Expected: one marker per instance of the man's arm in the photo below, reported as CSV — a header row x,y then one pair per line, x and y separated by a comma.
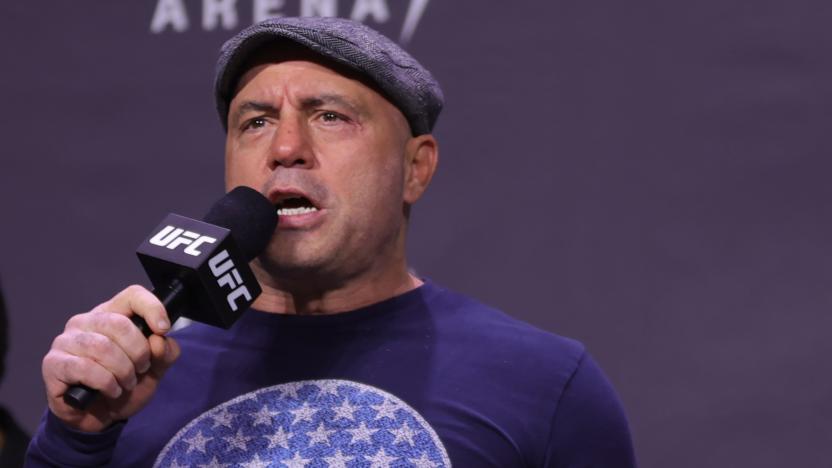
x,y
590,429
103,350
57,445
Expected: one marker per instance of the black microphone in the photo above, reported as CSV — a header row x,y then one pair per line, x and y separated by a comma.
x,y
199,269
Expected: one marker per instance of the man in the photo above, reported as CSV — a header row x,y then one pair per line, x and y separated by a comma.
x,y
346,359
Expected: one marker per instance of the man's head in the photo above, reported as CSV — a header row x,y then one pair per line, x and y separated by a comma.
x,y
402,79
341,154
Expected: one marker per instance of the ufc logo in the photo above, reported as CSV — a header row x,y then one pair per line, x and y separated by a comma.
x,y
172,237
227,276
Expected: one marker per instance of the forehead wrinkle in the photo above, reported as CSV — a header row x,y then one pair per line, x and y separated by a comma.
x,y
252,95
307,102
253,105
279,83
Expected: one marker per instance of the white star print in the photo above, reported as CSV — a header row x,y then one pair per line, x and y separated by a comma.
x,y
345,410
404,434
197,442
386,409
291,390
263,416
328,388
304,413
257,462
214,463
424,462
362,433
380,459
296,462
288,417
223,417
319,435
238,440
338,460
279,439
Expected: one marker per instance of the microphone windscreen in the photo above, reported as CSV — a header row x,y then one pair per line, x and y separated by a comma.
x,y
249,216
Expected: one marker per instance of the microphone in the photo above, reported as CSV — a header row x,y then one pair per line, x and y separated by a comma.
x,y
199,269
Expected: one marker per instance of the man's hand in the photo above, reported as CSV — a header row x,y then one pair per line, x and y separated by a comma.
x,y
104,350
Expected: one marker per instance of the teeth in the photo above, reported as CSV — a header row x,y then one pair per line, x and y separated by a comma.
x,y
295,211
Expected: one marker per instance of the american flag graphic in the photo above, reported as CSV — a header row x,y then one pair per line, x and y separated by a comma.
x,y
315,424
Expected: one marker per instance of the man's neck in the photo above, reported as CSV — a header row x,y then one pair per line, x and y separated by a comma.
x,y
290,297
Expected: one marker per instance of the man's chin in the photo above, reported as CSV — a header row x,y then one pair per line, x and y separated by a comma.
x,y
270,268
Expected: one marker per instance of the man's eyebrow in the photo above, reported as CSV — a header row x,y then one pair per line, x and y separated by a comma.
x,y
306,103
256,106
322,99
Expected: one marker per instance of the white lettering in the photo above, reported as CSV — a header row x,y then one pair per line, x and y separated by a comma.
x,y
225,14
169,13
265,9
186,238
172,238
228,279
191,250
235,294
318,8
215,10
411,21
167,234
220,265
375,8
218,269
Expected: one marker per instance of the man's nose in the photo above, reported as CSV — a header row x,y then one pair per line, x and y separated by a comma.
x,y
290,145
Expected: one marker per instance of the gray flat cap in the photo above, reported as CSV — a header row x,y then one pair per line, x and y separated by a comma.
x,y
407,84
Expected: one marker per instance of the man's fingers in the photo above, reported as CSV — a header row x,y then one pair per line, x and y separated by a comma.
x,y
102,350
172,351
165,351
117,328
62,370
136,300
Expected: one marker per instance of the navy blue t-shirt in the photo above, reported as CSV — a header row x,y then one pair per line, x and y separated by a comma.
x,y
429,378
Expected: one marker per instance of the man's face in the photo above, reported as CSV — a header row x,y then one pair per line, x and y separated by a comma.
x,y
329,152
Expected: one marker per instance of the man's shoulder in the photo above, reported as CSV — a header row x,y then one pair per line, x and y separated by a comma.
x,y
543,390
471,322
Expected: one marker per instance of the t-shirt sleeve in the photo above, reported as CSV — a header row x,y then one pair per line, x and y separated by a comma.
x,y
57,445
589,429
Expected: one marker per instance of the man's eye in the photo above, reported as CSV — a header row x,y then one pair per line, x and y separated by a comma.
x,y
330,117
257,122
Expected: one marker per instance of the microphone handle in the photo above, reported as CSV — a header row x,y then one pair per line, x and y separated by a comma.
x,y
80,396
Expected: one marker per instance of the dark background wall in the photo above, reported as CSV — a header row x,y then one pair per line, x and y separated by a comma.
x,y
648,177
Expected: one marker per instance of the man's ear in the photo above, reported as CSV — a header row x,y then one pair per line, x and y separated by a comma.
x,y
421,158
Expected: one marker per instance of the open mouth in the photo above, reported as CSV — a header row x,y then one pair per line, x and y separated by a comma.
x,y
295,205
